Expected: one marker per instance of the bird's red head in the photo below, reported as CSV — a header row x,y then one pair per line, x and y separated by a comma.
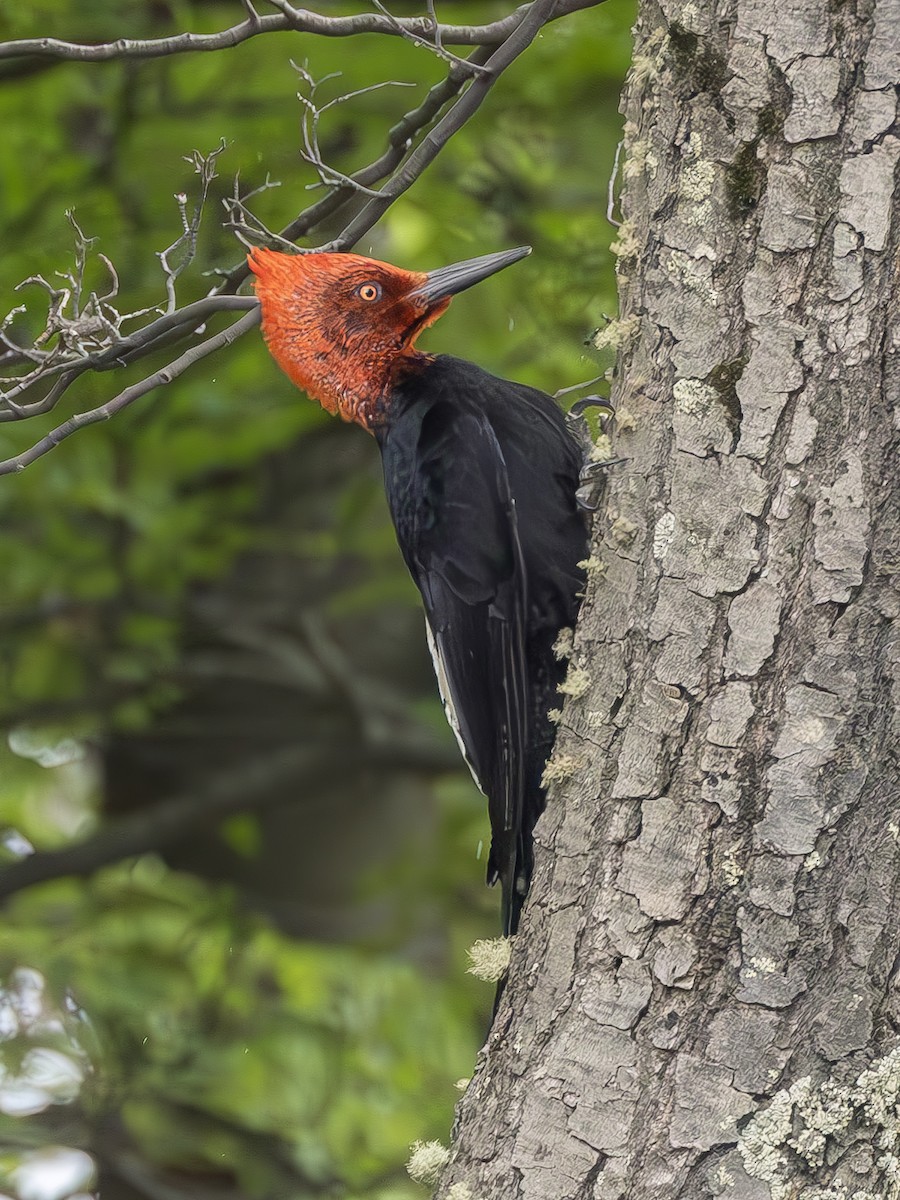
x,y
342,327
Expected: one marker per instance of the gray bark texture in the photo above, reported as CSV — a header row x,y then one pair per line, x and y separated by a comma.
x,y
703,999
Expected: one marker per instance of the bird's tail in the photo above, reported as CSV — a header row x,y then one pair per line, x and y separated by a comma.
x,y
512,855
513,863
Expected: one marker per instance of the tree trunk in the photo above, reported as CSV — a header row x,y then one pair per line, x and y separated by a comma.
x,y
702,1001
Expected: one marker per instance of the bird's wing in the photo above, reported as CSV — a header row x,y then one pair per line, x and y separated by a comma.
x,y
456,523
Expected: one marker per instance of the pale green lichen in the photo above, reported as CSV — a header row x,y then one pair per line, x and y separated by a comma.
x,y
763,964
646,62
644,70
489,958
697,181
426,1161
576,682
564,645
764,1139
640,160
602,450
594,567
460,1191
630,134
554,716
825,1112
626,244
801,1119
877,1092
664,534
623,531
625,420
732,869
693,396
723,1177
617,333
685,269
560,766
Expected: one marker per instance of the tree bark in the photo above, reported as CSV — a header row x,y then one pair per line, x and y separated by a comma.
x,y
703,1000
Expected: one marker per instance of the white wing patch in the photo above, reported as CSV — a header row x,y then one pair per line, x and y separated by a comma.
x,y
447,700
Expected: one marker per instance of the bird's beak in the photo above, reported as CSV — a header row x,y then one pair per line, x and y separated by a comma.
x,y
447,281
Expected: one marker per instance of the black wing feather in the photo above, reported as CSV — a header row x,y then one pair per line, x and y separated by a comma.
x,y
481,476
457,527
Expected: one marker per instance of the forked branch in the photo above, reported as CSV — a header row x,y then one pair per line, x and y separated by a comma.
x,y
86,334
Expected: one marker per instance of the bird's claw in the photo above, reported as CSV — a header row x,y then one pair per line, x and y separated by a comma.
x,y
587,496
591,470
599,402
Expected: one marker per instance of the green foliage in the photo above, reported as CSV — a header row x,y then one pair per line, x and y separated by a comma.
x,y
217,1035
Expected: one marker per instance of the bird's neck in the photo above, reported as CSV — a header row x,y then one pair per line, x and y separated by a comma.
x,y
362,392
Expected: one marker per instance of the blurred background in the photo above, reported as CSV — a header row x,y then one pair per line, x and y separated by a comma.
x,y
273,1002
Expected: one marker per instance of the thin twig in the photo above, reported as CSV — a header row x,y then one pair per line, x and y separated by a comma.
x,y
166,329
185,245
246,225
400,138
21,412
611,189
435,24
578,387
434,43
312,113
469,102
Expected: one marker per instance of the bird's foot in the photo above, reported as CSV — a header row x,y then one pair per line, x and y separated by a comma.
x,y
591,479
591,470
603,403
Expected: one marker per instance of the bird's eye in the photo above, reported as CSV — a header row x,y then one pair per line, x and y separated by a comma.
x,y
369,291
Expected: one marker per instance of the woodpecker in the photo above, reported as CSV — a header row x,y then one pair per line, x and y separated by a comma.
x,y
481,476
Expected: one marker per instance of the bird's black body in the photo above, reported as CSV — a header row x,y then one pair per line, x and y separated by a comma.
x,y
481,476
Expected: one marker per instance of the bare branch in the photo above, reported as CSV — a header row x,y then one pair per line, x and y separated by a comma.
x,y
536,16
289,18
185,246
168,328
252,15
246,225
400,164
400,138
130,394
78,328
249,787
20,412
435,25
434,43
328,176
